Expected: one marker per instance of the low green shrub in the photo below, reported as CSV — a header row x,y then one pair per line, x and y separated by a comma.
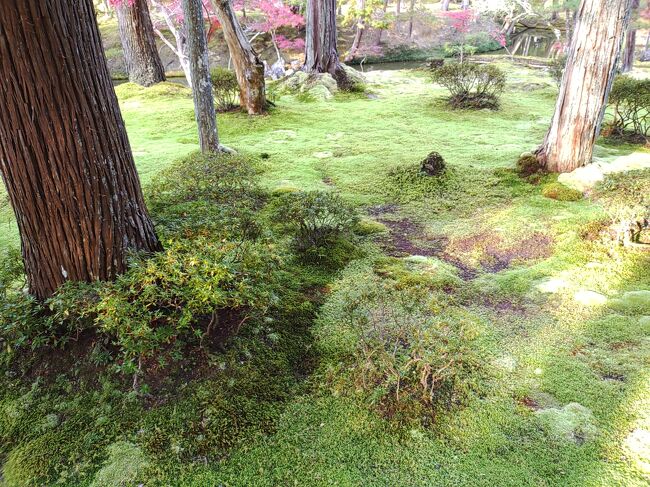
x,y
226,89
389,342
629,105
318,221
471,86
177,295
560,192
626,199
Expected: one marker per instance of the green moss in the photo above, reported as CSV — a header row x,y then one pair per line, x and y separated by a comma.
x,y
560,192
125,466
369,227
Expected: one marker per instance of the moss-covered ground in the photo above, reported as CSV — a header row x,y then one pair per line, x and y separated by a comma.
x,y
568,402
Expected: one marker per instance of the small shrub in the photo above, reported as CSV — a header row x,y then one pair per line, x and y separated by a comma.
x,y
318,220
472,86
387,341
626,199
528,165
629,104
556,69
178,295
226,89
560,192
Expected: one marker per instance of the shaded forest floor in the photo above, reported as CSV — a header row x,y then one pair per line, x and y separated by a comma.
x,y
569,396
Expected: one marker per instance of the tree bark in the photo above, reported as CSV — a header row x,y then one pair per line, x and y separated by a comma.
x,y
64,152
630,44
444,5
248,67
321,54
136,33
590,70
206,116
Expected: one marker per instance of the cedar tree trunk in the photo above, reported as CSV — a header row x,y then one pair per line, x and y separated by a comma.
x,y
204,111
64,153
248,67
590,69
321,55
136,33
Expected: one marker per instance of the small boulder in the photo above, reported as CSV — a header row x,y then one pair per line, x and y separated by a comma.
x,y
433,165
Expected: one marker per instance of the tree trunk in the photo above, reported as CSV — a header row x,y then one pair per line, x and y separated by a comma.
x,y
645,55
321,55
630,44
444,5
380,31
248,67
465,5
64,152
136,33
590,70
411,15
206,117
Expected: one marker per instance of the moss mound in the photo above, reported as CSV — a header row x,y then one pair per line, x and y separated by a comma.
x,y
560,192
124,466
528,165
165,89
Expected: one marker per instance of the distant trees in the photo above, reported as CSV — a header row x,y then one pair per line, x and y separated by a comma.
x,y
588,76
627,62
143,63
64,153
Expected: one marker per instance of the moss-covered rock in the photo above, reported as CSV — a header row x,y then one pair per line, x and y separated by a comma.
x,y
560,192
433,165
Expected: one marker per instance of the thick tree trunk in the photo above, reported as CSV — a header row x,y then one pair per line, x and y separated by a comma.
x,y
321,55
630,44
590,70
465,4
136,33
64,153
206,117
444,5
248,67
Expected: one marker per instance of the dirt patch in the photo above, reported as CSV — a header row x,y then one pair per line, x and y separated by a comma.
x,y
485,251
530,403
493,255
328,181
380,210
